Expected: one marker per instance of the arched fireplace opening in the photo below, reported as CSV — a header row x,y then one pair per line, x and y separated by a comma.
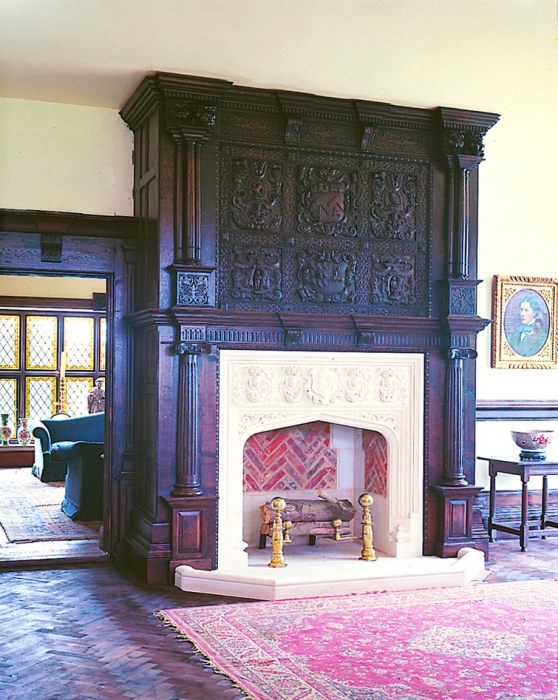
x,y
310,461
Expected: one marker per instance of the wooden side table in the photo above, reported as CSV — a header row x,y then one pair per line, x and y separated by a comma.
x,y
524,469
17,455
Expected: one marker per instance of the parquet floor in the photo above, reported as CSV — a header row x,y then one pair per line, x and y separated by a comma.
x,y
90,633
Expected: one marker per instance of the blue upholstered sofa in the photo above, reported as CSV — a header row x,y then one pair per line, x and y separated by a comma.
x,y
50,462
73,449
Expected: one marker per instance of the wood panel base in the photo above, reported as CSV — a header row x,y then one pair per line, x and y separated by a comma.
x,y
456,526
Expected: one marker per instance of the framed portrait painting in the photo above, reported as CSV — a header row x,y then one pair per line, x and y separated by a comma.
x,y
524,334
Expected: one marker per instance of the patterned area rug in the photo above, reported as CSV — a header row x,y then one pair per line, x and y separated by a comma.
x,y
30,511
494,642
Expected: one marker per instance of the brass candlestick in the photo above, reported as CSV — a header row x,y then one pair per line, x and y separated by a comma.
x,y
277,560
368,553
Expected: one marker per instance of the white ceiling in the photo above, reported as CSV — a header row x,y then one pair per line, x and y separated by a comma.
x,y
96,52
468,53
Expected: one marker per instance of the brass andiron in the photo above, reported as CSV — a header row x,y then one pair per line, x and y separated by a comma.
x,y
368,553
277,560
336,525
287,524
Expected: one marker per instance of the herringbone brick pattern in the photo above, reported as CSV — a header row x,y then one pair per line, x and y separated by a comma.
x,y
295,458
375,462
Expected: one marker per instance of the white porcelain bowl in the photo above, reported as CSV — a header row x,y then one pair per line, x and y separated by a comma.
x,y
535,441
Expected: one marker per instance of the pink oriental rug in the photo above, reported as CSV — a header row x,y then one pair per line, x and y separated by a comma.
x,y
487,642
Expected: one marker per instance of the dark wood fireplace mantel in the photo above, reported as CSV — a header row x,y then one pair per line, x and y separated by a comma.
x,y
274,219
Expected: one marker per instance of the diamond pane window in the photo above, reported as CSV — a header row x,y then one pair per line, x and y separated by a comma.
x,y
9,342
8,393
78,343
41,342
77,390
40,397
103,344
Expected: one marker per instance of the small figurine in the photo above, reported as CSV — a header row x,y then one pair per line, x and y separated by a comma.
x,y
96,398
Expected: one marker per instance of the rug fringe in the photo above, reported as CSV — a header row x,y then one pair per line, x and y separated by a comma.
x,y
209,663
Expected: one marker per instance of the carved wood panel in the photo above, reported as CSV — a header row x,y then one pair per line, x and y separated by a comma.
x,y
305,231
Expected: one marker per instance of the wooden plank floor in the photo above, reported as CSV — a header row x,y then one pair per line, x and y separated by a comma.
x,y
90,633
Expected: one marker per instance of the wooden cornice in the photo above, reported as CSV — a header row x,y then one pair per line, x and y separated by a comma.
x,y
510,409
68,224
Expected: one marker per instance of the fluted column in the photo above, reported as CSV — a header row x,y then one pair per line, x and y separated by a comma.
x,y
190,124
453,465
188,481
193,203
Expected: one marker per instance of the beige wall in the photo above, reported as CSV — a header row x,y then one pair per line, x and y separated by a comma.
x,y
53,287
59,157
498,56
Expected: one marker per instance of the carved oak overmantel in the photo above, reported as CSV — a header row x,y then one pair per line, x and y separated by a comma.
x,y
280,220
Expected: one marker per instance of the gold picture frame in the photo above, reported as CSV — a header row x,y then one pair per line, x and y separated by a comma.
x,y
524,334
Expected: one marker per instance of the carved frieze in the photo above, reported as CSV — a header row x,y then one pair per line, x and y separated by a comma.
x,y
326,276
256,273
393,213
327,201
256,199
250,126
319,385
408,142
393,280
328,134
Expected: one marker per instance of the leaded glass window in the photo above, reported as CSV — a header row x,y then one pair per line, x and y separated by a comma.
x,y
8,394
49,360
76,395
9,342
40,397
78,342
42,342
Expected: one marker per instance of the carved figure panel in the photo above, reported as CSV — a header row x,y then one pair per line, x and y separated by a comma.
x,y
326,276
256,273
393,279
327,201
256,199
393,213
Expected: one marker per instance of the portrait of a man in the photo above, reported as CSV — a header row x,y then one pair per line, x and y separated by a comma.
x,y
526,322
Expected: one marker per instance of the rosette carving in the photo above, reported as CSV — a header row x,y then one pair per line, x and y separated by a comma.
x,y
391,388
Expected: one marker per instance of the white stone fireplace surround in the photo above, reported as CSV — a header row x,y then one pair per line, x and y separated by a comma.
x,y
384,392
262,391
